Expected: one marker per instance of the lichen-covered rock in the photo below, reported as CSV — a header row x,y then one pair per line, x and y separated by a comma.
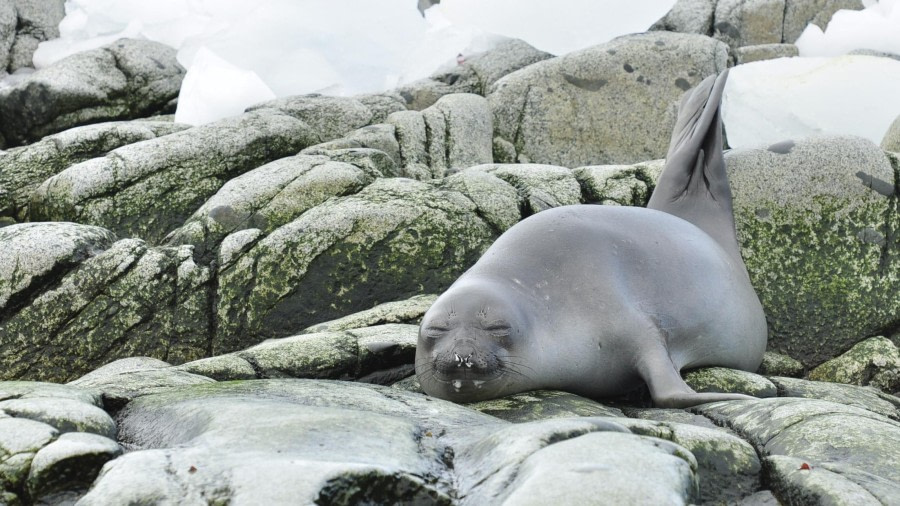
x,y
34,21
394,239
799,481
815,221
688,16
749,22
776,364
762,52
36,254
721,379
130,300
379,354
543,405
619,185
23,169
727,466
20,440
268,197
126,79
123,380
39,390
891,140
475,74
610,104
875,361
819,431
64,415
402,311
72,462
498,202
540,187
381,137
800,13
147,189
868,398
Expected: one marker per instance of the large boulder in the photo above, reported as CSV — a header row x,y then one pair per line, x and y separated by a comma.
x,y
816,220
129,300
610,104
23,169
126,79
34,21
148,189
7,33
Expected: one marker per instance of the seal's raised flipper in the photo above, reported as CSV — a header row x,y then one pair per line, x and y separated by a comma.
x,y
667,388
693,184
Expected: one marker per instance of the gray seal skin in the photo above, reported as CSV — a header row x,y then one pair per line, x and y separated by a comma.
x,y
595,299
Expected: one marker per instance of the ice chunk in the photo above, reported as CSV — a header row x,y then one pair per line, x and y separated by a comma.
x,y
214,89
790,98
875,27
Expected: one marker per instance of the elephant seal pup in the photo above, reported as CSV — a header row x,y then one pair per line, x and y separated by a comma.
x,y
595,299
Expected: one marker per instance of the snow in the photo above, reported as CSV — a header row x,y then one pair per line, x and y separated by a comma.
x,y
791,98
337,47
875,27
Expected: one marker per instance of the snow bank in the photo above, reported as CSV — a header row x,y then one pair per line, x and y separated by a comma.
x,y
875,27
338,47
790,98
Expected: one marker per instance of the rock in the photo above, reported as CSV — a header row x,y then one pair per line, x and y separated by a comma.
x,y
65,415
761,498
798,481
775,364
721,379
540,187
609,104
130,300
394,239
122,381
688,16
891,141
619,185
229,367
147,189
475,75
498,202
38,390
20,440
38,20
126,79
727,466
818,431
868,398
741,23
73,461
761,52
8,21
36,254
408,311
876,53
813,219
268,197
543,405
678,416
875,361
24,169
379,354
381,137
799,13
332,117
326,442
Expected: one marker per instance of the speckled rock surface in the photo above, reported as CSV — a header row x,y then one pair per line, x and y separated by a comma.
x,y
721,379
543,405
619,185
22,170
814,220
800,13
148,189
33,21
126,79
540,187
762,52
402,311
749,22
875,361
776,364
891,140
8,21
609,104
868,398
688,16
796,481
129,300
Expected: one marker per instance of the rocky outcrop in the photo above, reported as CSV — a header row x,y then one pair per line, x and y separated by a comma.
x,y
610,104
148,189
875,361
475,74
23,25
126,79
23,169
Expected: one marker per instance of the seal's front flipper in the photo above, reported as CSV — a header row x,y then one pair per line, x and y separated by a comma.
x,y
693,184
667,388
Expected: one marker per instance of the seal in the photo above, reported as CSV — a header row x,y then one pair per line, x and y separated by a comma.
x,y
595,299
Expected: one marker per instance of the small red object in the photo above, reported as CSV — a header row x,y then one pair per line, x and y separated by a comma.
x,y
192,469
805,467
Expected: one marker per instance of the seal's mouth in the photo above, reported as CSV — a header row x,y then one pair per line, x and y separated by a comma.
x,y
464,385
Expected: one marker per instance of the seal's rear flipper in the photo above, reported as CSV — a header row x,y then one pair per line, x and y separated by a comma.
x,y
667,388
693,184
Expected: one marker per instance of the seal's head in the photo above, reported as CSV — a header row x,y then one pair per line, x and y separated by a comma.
x,y
471,344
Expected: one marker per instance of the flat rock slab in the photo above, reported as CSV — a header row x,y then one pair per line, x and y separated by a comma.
x,y
402,311
543,405
124,80
868,398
